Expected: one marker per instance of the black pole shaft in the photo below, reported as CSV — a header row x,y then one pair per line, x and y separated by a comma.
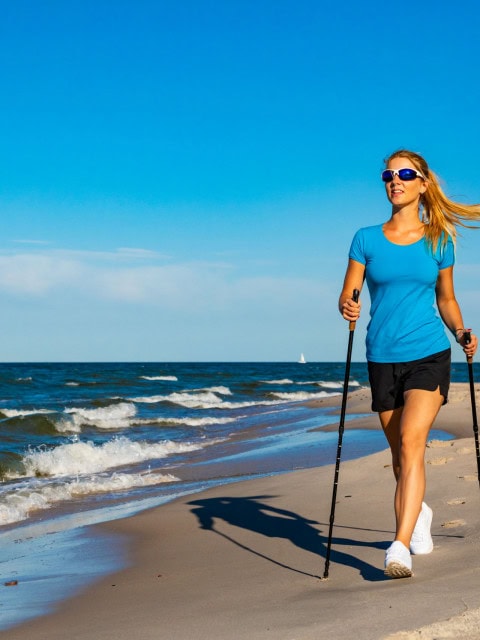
x,y
474,416
341,429
474,405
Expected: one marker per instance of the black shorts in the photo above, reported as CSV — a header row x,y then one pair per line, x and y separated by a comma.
x,y
389,381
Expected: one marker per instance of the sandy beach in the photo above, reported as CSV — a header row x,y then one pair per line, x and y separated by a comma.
x,y
245,560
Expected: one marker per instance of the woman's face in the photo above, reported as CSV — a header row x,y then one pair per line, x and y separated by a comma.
x,y
404,192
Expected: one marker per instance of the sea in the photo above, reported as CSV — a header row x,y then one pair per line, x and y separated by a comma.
x,y
85,443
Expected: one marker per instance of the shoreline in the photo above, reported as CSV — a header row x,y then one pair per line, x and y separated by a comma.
x,y
245,559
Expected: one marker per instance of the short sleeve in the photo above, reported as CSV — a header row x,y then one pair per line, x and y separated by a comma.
x,y
447,255
357,248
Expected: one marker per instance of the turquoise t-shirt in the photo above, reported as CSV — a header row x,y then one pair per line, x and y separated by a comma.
x,y
404,323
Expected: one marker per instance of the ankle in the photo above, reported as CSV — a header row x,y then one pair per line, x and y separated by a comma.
x,y
404,541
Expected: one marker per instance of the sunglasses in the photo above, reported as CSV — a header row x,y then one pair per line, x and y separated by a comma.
x,y
404,174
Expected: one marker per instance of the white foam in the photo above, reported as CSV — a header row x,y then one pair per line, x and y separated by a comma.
x,y
223,391
330,384
85,457
296,396
190,422
207,400
284,381
16,413
241,405
113,416
167,378
336,385
17,506
190,400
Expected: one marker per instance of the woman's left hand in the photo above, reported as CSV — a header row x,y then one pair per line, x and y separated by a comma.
x,y
470,348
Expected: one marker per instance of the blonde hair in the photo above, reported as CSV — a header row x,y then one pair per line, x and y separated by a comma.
x,y
441,215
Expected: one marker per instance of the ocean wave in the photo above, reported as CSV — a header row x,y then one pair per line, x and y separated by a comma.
x,y
189,422
17,506
326,384
207,400
113,416
223,391
190,400
295,396
329,384
20,413
86,457
166,378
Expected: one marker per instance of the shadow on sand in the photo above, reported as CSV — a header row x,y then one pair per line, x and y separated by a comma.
x,y
252,513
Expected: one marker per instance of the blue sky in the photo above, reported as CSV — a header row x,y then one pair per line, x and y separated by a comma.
x,y
180,180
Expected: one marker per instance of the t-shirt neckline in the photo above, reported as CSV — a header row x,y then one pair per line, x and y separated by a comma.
x,y
398,244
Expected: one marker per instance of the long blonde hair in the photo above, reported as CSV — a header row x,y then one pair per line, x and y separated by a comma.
x,y
441,215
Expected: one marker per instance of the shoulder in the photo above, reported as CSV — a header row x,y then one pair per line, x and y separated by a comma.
x,y
371,231
369,234
364,243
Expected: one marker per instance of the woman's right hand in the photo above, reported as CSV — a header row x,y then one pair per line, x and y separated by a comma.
x,y
354,278
469,347
350,309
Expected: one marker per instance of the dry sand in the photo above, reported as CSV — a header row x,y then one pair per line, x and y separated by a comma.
x,y
245,560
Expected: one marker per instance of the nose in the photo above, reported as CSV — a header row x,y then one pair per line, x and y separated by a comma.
x,y
396,178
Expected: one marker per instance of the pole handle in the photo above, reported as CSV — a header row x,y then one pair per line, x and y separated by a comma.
x,y
468,338
355,296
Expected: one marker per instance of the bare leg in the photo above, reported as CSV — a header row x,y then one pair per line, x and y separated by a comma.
x,y
407,431
390,421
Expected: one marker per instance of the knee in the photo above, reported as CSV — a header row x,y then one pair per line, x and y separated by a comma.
x,y
411,448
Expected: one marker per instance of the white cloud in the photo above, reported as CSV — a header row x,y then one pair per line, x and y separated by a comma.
x,y
132,252
34,242
37,274
192,287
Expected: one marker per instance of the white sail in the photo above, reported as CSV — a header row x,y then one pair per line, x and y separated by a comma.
x,y
302,359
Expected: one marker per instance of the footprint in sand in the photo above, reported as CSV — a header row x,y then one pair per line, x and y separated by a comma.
x,y
471,478
450,524
455,501
435,444
437,461
464,451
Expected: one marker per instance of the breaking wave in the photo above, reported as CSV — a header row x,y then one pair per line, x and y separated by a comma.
x,y
18,505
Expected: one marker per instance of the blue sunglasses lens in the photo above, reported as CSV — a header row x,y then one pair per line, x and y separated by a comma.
x,y
403,174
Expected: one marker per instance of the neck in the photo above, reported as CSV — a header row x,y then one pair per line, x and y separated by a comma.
x,y
405,217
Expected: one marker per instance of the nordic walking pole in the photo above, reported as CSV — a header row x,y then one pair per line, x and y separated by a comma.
x,y
341,428
474,407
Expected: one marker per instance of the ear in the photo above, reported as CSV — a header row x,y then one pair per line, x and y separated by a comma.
x,y
424,187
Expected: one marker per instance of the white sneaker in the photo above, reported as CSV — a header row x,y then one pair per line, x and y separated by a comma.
x,y
398,562
421,541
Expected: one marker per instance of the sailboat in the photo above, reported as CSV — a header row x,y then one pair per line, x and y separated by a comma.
x,y
302,359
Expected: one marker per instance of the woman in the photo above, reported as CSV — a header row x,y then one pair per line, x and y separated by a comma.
x,y
407,263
